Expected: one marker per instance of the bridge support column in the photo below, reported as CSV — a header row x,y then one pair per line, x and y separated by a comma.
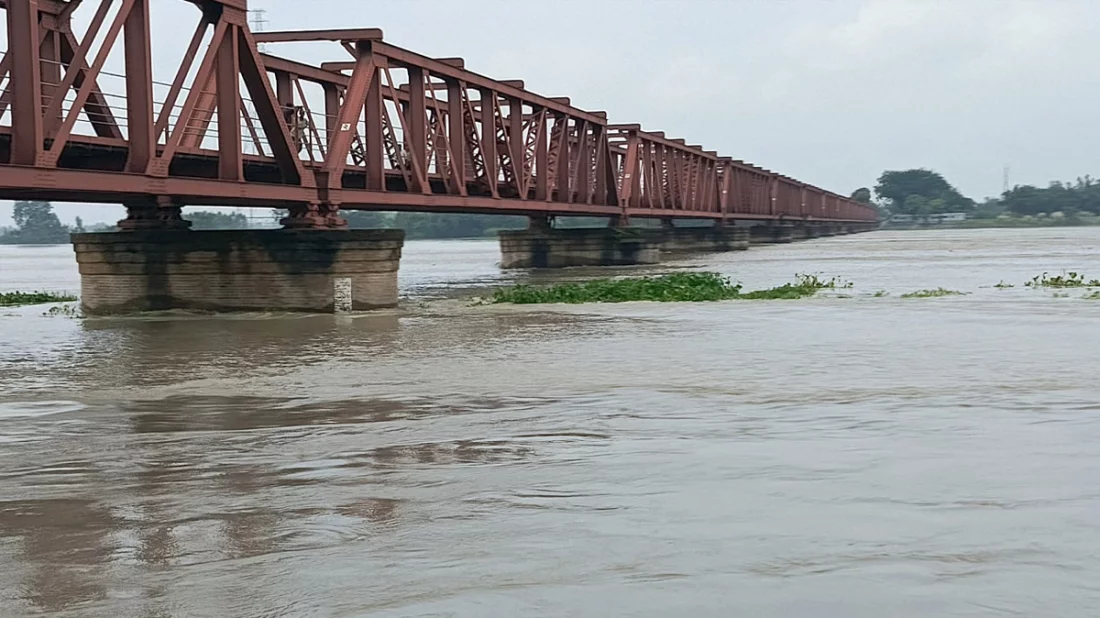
x,y
704,239
314,217
546,247
162,214
771,233
238,270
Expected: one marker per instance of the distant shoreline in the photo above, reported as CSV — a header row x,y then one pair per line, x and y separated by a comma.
x,y
977,224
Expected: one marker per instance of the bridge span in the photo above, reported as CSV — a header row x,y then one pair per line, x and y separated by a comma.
x,y
84,119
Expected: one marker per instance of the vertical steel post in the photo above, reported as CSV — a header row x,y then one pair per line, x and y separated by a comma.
x,y
139,88
25,83
230,162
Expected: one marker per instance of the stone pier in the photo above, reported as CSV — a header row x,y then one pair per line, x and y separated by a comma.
x,y
771,233
238,270
545,247
703,239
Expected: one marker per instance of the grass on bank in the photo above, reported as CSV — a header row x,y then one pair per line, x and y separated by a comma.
x,y
677,287
14,299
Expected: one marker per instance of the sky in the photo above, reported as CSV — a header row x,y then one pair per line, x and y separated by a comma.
x,y
831,92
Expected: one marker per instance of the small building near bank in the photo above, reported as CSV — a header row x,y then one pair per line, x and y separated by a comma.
x,y
936,219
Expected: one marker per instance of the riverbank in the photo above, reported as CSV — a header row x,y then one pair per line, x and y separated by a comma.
x,y
999,223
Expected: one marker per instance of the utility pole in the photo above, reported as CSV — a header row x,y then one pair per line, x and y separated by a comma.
x,y
258,23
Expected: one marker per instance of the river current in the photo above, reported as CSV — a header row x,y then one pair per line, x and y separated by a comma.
x,y
848,455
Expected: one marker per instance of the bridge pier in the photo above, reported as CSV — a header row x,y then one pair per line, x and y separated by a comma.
x,y
804,231
238,270
771,233
159,214
718,238
543,246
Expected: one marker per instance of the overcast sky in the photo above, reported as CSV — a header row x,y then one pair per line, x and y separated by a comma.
x,y
830,92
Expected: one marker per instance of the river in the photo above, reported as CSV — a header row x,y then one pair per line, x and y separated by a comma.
x,y
848,455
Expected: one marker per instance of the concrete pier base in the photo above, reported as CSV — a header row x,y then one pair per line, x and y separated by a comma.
x,y
805,231
771,234
703,239
238,270
542,247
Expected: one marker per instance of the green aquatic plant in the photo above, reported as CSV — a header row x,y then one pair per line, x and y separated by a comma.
x,y
880,294
1092,295
802,287
816,282
936,293
64,311
1060,295
1003,286
1065,280
665,288
677,287
13,299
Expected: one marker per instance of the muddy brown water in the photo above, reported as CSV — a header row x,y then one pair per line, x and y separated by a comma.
x,y
849,457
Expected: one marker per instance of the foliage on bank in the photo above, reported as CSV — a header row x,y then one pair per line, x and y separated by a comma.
x,y
922,193
37,224
15,299
676,287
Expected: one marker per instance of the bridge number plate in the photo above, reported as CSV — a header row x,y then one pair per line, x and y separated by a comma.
x,y
341,294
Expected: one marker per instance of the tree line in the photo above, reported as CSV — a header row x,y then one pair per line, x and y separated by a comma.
x,y
923,192
37,224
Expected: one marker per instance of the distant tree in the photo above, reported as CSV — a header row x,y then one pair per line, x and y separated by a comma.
x,y
1082,196
862,195
989,208
207,220
897,187
78,226
367,219
438,225
35,224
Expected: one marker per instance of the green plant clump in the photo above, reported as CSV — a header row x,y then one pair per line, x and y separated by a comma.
x,y
1004,286
666,288
13,299
63,311
803,286
1065,280
1092,296
880,294
936,293
677,287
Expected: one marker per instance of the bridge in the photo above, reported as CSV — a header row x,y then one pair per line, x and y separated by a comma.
x,y
377,128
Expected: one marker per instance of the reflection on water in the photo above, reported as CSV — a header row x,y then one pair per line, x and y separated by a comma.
x,y
827,457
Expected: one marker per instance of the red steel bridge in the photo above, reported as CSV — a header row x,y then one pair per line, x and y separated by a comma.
x,y
82,119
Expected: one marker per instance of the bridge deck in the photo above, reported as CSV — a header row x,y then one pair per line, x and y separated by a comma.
x,y
385,129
